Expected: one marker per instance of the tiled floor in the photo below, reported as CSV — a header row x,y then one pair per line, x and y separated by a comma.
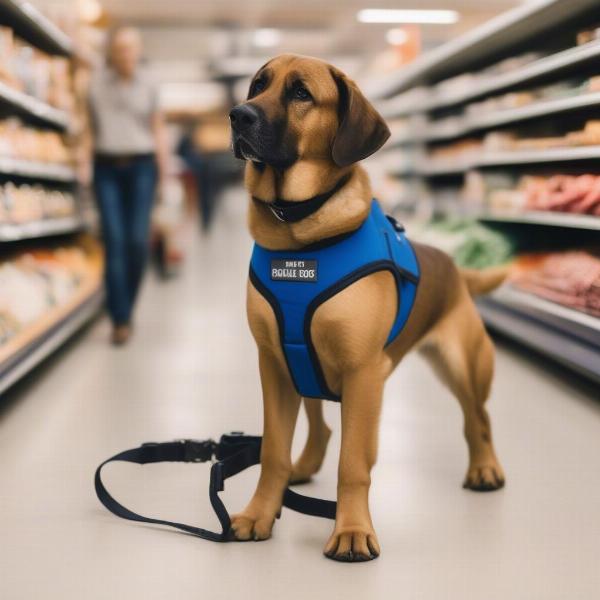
x,y
191,371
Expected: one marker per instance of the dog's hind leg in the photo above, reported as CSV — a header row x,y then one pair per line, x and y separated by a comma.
x,y
281,404
462,355
312,456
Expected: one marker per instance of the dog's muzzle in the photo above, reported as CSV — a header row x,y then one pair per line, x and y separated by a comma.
x,y
243,117
244,124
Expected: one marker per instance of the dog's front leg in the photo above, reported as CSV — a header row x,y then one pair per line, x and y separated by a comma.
x,y
281,403
353,538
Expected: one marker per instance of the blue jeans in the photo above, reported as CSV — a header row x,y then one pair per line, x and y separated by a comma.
x,y
125,194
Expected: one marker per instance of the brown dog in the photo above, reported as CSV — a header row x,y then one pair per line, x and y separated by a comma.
x,y
302,130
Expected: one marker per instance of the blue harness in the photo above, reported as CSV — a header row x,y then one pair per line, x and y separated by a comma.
x,y
297,282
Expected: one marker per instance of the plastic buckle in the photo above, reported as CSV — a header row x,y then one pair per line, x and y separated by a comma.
x,y
395,224
198,450
278,213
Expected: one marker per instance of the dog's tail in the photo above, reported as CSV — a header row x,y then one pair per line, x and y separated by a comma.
x,y
483,281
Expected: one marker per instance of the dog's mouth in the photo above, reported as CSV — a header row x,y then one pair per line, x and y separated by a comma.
x,y
260,151
244,150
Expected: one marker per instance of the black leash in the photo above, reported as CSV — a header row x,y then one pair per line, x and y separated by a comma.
x,y
234,453
289,211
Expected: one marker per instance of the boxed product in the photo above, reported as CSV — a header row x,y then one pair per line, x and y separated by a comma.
x,y
26,203
35,284
27,143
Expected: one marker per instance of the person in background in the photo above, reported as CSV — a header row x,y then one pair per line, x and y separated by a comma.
x,y
127,149
207,153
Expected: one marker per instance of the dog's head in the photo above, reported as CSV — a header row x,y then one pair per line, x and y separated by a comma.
x,y
301,108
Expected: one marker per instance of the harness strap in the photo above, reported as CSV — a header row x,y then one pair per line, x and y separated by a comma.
x,y
233,453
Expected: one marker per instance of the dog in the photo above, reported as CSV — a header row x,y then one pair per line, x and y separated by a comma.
x,y
303,130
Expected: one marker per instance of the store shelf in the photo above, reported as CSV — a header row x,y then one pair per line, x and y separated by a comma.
x,y
481,45
36,170
408,103
25,231
31,107
33,343
491,84
566,335
432,168
547,218
69,319
550,155
31,25
439,132
398,139
572,321
534,110
422,100
473,123
554,219
401,172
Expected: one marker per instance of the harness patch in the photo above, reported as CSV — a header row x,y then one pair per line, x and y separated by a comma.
x,y
294,270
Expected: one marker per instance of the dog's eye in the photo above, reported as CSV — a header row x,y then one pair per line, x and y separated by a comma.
x,y
258,87
301,93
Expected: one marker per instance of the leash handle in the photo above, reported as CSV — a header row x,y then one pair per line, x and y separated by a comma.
x,y
234,453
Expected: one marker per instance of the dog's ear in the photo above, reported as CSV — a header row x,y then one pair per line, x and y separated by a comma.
x,y
361,129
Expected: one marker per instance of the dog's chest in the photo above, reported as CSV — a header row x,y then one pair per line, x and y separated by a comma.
x,y
346,332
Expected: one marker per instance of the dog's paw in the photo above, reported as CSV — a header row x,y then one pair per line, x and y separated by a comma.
x,y
484,478
352,545
246,527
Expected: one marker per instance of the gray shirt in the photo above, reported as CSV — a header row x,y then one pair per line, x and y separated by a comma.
x,y
121,113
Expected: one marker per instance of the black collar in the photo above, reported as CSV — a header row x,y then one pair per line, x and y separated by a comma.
x,y
288,211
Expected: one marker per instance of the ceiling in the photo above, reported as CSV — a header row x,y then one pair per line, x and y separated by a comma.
x,y
325,28
253,13
191,40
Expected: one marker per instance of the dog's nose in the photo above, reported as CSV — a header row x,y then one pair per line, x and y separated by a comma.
x,y
243,117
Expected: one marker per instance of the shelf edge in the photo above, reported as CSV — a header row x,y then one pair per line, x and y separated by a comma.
x,y
34,107
50,340
574,354
39,229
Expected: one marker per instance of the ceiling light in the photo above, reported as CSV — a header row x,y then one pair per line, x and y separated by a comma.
x,y
90,10
266,38
396,36
384,15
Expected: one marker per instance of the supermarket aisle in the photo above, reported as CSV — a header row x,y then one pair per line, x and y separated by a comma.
x,y
190,371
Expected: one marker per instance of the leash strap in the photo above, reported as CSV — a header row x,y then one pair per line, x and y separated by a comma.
x,y
234,453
